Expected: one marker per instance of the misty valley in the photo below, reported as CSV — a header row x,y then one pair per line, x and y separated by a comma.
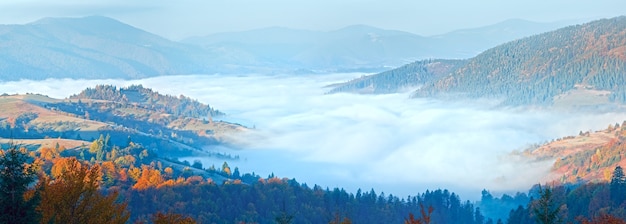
x,y
389,143
102,122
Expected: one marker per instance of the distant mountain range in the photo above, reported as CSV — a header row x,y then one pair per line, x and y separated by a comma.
x,y
91,47
361,46
101,47
588,61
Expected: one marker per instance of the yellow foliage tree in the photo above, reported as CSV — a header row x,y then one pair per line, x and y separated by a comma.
x,y
72,196
169,172
134,173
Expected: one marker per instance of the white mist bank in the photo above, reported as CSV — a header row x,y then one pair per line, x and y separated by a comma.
x,y
386,142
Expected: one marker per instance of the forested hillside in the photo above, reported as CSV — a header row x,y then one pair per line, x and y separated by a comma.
x,y
587,183
167,124
587,157
145,97
407,76
589,203
534,70
529,71
139,183
133,183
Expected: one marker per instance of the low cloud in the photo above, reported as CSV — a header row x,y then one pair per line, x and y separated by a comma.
x,y
387,142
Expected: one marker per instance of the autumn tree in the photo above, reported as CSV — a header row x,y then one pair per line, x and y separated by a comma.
x,y
96,148
339,220
110,174
149,178
15,176
226,168
71,196
171,218
169,172
604,219
425,219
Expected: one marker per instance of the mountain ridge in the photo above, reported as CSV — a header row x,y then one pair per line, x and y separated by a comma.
x,y
78,48
546,66
97,47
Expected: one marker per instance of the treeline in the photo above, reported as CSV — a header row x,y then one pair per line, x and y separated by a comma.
x,y
155,136
143,184
392,81
589,203
156,126
601,203
134,184
137,95
266,199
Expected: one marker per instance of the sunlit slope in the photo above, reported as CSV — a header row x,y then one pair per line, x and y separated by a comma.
x,y
176,124
590,156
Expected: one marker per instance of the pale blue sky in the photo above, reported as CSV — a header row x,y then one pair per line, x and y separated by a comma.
x,y
183,18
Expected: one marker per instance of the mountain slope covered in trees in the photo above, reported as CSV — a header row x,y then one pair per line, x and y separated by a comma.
x,y
537,69
126,162
590,156
534,70
174,125
402,78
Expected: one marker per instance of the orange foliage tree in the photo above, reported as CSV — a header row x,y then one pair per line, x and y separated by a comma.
x,y
171,218
339,220
149,178
604,219
71,196
425,216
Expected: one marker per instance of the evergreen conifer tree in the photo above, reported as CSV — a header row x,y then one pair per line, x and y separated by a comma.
x,y
618,186
16,174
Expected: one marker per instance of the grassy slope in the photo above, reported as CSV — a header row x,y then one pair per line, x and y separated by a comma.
x,y
590,157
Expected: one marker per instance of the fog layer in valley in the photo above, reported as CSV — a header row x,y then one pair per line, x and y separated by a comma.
x,y
386,142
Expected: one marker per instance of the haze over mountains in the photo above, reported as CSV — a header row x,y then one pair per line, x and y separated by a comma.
x,y
91,47
361,46
101,47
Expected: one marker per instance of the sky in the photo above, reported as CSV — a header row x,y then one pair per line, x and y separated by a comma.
x,y
184,18
390,143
